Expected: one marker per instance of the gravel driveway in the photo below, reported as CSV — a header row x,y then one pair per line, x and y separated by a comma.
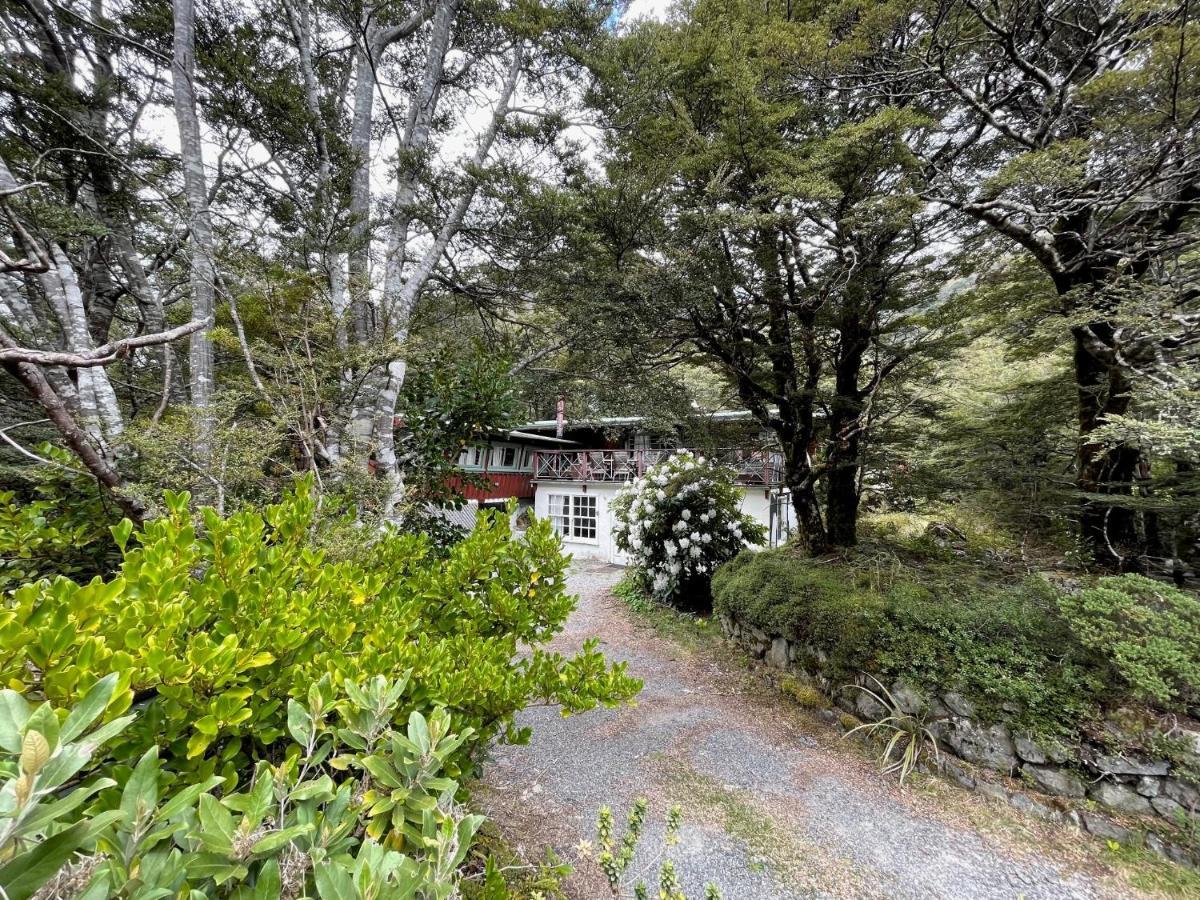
x,y
774,804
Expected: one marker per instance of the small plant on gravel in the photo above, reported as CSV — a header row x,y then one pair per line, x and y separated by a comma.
x,y
615,858
679,522
906,736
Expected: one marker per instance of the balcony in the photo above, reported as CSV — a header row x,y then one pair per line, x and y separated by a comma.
x,y
751,467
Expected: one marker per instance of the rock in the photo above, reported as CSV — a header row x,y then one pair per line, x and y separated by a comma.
x,y
1183,793
1120,797
958,704
1028,749
991,789
909,698
1167,808
1119,765
868,707
1182,855
1148,786
777,655
991,746
1103,828
1056,781
958,774
1029,806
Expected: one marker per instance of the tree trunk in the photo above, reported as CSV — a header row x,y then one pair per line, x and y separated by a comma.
x,y
195,183
841,479
1109,530
361,317
800,479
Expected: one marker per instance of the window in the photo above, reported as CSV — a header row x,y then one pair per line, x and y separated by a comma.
x,y
574,516
510,457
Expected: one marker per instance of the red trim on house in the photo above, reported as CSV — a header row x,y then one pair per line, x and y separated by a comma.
x,y
503,484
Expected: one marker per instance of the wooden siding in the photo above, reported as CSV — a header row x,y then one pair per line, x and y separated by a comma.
x,y
503,484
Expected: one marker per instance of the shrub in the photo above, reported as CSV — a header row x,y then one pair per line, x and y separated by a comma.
x,y
210,631
298,828
679,522
1006,646
1150,631
60,526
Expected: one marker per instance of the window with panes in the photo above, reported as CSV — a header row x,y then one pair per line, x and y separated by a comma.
x,y
573,516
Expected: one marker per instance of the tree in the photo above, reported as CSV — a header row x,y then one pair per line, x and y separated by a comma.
x,y
1070,130
263,225
790,237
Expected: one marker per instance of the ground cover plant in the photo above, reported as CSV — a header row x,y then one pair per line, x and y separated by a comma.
x,y
1017,645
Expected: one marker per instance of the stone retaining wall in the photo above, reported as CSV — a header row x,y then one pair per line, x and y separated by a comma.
x,y
1082,780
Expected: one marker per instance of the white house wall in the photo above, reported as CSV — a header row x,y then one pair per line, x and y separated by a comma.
x,y
756,503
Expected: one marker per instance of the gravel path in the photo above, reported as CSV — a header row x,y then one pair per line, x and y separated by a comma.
x,y
774,805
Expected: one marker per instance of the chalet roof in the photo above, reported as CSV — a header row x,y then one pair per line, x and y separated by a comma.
x,y
721,415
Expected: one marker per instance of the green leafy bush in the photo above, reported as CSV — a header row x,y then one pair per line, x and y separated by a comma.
x,y
679,522
58,527
354,808
211,630
1149,630
1006,645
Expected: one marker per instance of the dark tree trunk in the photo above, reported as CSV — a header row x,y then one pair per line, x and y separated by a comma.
x,y
813,536
1109,529
841,494
843,455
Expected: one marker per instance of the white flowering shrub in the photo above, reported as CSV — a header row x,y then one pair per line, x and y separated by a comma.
x,y
678,522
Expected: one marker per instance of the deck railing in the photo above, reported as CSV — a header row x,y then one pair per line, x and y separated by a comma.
x,y
763,467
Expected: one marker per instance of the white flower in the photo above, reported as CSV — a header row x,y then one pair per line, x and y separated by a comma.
x,y
683,542
679,525
695,551
673,568
660,494
687,514
707,538
695,537
669,548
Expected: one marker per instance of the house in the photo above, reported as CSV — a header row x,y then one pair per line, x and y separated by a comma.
x,y
569,474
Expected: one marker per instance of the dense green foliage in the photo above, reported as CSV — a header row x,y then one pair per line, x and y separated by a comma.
x,y
679,521
58,526
1005,645
297,829
1150,630
212,629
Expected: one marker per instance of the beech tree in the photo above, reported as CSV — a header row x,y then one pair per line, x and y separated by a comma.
x,y
1071,130
790,244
